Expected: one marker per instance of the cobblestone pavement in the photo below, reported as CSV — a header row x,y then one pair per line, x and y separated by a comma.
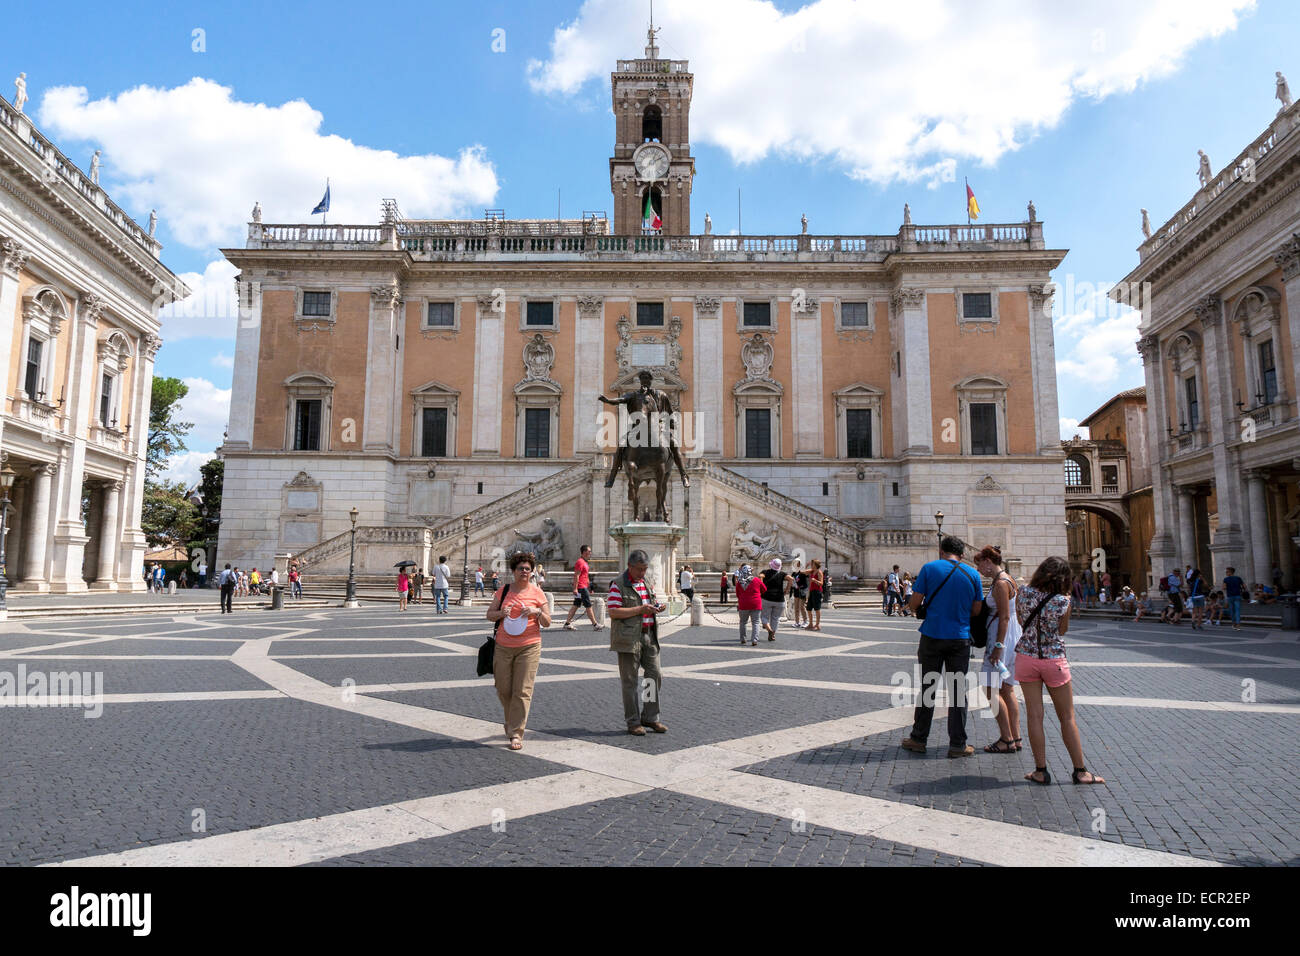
x,y
334,737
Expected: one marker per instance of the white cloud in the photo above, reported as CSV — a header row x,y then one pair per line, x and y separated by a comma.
x,y
1100,350
208,408
1070,428
211,311
222,360
201,158
890,91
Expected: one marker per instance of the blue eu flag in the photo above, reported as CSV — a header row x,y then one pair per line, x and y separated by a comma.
x,y
324,204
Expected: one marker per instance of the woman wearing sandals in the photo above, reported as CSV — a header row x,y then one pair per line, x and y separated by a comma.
x,y
1043,607
523,611
816,581
1196,592
1004,632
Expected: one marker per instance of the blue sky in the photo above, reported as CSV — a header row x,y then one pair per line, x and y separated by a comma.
x,y
840,110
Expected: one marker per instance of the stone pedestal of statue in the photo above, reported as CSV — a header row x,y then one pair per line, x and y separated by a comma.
x,y
659,541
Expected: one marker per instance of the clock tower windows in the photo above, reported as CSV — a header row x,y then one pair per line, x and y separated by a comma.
x,y
652,124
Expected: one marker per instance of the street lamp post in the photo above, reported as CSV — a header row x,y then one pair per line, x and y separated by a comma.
x,y
464,578
826,548
7,477
938,520
350,599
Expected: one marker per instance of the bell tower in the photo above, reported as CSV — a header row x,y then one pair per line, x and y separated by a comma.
x,y
652,162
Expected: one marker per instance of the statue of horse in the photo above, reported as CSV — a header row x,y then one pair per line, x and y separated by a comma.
x,y
644,464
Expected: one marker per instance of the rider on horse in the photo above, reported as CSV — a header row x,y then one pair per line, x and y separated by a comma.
x,y
646,401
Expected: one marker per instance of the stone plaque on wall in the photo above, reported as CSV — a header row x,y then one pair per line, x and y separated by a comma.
x,y
860,498
649,354
303,500
301,533
429,497
988,505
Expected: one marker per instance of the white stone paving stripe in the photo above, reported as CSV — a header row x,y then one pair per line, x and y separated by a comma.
x,y
360,831
975,838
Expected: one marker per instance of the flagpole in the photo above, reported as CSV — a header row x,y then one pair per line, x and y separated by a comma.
x,y
966,197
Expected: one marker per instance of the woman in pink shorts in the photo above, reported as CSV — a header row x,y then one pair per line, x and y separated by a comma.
x,y
1043,608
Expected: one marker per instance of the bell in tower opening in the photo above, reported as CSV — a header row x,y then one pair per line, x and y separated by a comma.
x,y
652,125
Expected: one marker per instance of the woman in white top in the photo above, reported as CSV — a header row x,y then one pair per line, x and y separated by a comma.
x,y
686,581
1004,632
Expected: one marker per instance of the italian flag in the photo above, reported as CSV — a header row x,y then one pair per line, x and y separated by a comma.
x,y
650,219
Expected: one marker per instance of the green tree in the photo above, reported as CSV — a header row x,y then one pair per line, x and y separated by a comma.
x,y
168,519
166,432
211,475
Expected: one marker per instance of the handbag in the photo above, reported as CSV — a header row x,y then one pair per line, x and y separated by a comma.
x,y
924,609
979,624
489,649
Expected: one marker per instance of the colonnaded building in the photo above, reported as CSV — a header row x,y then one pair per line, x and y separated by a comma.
x,y
837,390
80,286
1219,289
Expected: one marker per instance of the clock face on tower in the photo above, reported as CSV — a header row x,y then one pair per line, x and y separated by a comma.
x,y
651,161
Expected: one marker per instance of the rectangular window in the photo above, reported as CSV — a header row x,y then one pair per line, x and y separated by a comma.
x,y
895,485
32,379
983,428
649,313
855,315
316,304
758,433
857,421
540,313
826,488
306,425
537,432
442,315
758,314
433,433
105,399
1268,372
1193,406
977,305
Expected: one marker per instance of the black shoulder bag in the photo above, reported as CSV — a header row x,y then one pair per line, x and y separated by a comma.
x,y
924,609
1038,637
489,648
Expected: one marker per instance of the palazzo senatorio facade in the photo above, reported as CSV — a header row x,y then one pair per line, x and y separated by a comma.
x,y
80,289
837,391
1219,289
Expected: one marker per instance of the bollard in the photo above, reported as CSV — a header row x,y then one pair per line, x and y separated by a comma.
x,y
598,609
171,587
277,599
697,611
550,601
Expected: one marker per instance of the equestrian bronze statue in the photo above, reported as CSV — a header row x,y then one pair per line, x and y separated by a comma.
x,y
648,450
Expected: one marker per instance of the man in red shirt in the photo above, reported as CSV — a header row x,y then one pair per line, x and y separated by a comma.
x,y
581,589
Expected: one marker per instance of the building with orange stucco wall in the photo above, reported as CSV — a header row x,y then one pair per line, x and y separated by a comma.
x,y
836,391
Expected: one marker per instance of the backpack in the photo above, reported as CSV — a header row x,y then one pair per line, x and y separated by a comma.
x,y
1164,584
881,587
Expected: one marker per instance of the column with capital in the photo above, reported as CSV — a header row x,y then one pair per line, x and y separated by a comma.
x,y
1287,258
1161,550
13,258
1186,526
1260,552
381,369
109,538
38,529
1227,548
914,431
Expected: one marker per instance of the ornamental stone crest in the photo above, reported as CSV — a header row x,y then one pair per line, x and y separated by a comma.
x,y
988,483
302,480
757,354
539,357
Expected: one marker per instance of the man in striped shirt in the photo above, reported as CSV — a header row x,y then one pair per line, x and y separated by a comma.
x,y
634,635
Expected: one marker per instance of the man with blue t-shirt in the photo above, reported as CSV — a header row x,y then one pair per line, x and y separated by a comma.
x,y
1233,588
951,592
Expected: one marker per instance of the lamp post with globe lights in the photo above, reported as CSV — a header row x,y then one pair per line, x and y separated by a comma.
x,y
350,599
7,477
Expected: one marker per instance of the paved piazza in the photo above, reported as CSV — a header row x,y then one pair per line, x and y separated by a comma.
x,y
338,737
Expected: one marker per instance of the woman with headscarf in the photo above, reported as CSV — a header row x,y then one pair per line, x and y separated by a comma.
x,y
749,600
773,597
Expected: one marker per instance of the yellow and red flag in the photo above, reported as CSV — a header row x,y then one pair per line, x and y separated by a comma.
x,y
972,207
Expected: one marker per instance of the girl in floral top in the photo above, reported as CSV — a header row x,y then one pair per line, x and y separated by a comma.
x,y
1043,608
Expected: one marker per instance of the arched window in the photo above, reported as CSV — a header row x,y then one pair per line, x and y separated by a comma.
x,y
1077,473
652,125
